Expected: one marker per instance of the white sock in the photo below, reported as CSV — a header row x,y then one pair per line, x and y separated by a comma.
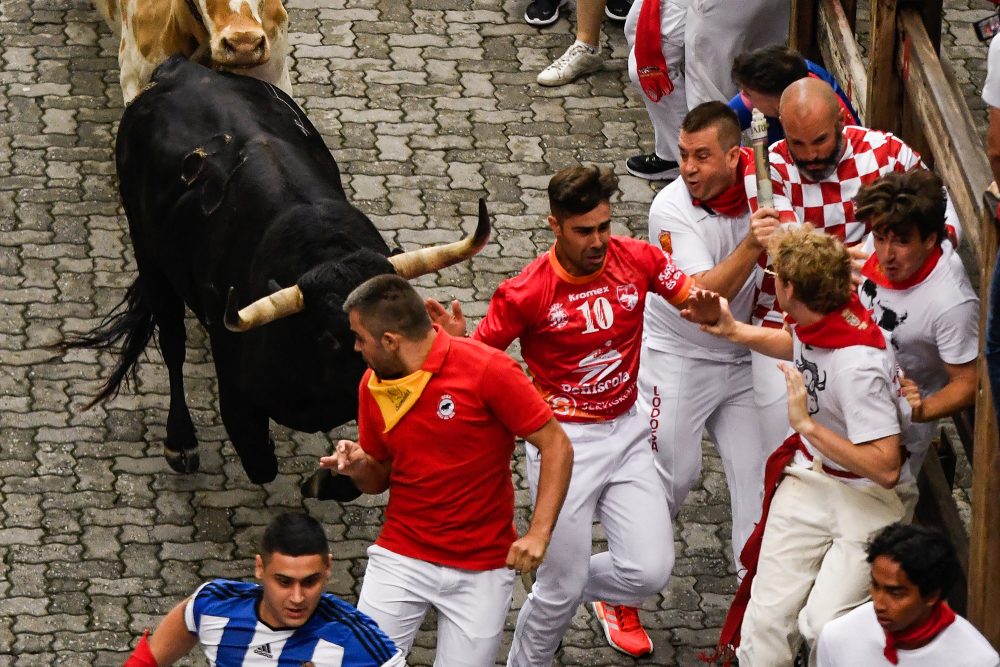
x,y
591,49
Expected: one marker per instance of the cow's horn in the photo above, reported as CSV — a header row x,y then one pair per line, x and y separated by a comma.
x,y
418,262
272,307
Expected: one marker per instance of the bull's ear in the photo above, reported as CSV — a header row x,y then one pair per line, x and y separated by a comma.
x,y
272,285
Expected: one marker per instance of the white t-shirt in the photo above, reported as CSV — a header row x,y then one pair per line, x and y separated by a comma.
x,y
697,240
853,391
930,324
857,640
991,89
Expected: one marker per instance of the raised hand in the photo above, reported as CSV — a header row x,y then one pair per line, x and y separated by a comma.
x,y
452,322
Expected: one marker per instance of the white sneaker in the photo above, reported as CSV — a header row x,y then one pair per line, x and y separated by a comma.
x,y
577,61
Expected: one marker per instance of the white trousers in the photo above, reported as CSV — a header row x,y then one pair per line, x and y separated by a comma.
x,y
681,398
471,605
614,480
719,30
667,114
812,565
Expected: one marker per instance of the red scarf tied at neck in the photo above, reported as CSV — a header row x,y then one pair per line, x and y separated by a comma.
x,y
920,634
649,60
873,271
731,202
850,325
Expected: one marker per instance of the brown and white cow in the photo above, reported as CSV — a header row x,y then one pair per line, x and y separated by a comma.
x,y
243,36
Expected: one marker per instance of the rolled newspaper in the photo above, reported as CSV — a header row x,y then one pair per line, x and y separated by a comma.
x,y
758,141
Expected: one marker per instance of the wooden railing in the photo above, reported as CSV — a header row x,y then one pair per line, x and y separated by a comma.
x,y
904,89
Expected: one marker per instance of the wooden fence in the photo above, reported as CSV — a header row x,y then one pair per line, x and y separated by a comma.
x,y
906,90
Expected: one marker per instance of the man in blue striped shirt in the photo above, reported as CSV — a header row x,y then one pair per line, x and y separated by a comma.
x,y
286,620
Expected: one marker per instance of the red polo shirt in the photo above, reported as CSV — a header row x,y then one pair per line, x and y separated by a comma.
x,y
451,497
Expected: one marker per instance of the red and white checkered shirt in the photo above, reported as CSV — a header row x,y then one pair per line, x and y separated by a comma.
x,y
827,204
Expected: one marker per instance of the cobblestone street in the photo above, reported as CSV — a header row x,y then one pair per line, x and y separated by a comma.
x,y
427,105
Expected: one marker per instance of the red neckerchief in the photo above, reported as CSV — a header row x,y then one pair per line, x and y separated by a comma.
x,y
941,617
649,60
850,325
873,271
732,202
729,639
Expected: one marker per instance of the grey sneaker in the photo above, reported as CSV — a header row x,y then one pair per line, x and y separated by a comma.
x,y
576,62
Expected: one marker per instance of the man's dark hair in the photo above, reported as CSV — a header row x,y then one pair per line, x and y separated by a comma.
x,y
769,69
924,554
903,202
294,534
714,114
578,190
389,303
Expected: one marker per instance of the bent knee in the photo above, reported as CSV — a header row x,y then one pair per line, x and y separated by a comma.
x,y
650,577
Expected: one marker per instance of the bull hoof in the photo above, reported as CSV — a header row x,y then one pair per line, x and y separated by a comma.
x,y
326,485
262,472
184,461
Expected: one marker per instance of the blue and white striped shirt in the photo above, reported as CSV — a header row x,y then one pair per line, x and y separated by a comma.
x,y
223,614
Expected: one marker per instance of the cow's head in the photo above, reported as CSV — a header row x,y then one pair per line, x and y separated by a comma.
x,y
240,32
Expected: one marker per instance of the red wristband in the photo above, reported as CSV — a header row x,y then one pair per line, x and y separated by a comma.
x,y
141,656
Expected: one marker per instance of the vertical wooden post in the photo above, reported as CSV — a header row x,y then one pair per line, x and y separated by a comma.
x,y
984,556
802,28
851,12
885,86
932,12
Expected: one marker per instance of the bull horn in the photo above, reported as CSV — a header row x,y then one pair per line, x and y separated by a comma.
x,y
426,260
272,307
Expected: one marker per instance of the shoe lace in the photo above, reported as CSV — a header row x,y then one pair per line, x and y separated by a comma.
x,y
628,618
563,61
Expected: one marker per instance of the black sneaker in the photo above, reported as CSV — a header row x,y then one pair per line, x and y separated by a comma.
x,y
652,168
617,10
543,12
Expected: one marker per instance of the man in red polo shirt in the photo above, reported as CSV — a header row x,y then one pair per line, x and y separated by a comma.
x,y
436,423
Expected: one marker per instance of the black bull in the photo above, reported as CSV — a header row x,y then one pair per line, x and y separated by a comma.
x,y
228,188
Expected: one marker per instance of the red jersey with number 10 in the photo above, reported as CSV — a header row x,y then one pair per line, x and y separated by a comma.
x,y
581,335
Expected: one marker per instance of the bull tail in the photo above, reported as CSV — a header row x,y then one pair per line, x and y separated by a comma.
x,y
128,329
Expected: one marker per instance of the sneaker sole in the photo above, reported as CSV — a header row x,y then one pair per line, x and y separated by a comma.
x,y
553,84
545,22
607,636
614,17
666,175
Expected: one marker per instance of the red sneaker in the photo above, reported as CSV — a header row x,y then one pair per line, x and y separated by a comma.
x,y
623,629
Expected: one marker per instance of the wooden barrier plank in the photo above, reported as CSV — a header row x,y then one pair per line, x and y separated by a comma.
x,y
959,156
841,55
936,507
851,12
885,89
802,28
984,553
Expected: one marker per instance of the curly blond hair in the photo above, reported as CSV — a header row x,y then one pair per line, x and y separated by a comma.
x,y
815,264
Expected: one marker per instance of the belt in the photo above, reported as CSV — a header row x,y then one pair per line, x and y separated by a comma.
x,y
844,474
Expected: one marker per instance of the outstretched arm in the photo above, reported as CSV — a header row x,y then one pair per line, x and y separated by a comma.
x,y
712,312
527,553
369,474
170,642
728,276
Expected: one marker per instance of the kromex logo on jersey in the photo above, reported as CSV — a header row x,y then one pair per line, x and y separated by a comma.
x,y
599,364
